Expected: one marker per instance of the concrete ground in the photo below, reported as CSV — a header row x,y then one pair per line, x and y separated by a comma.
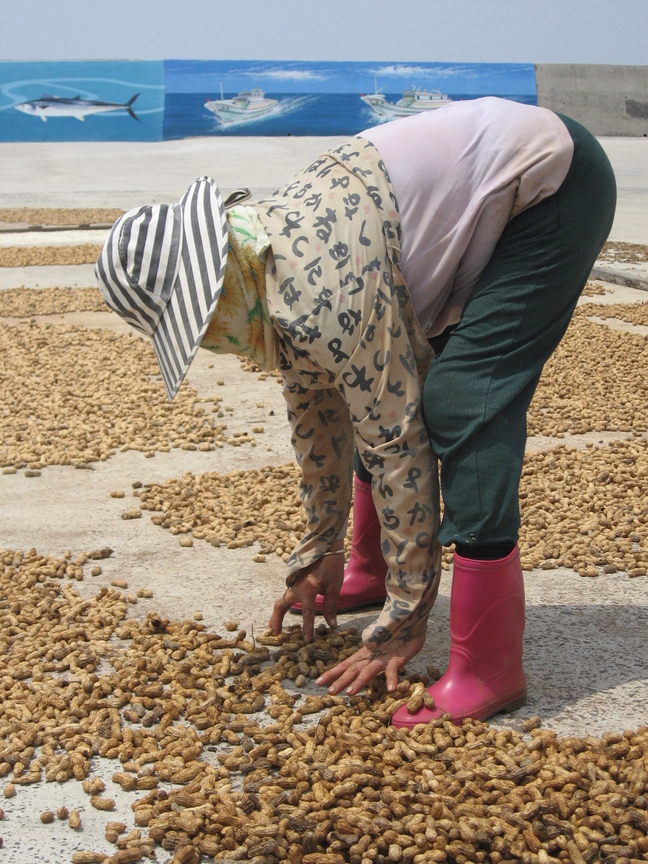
x,y
585,641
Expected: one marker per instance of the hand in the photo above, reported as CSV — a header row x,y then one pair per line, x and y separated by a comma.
x,y
323,577
360,668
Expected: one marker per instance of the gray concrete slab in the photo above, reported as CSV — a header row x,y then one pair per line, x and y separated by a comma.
x,y
53,276
122,174
64,237
125,174
629,159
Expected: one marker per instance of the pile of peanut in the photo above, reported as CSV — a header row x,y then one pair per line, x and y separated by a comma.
x,y
633,313
235,510
60,216
249,365
75,396
594,289
624,253
19,303
586,509
31,256
583,509
228,751
594,381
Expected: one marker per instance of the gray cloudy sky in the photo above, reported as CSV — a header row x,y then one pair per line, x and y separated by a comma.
x,y
541,31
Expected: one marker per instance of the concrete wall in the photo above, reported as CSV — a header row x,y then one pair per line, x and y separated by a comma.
x,y
609,100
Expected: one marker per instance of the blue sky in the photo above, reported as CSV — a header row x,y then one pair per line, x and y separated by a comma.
x,y
504,31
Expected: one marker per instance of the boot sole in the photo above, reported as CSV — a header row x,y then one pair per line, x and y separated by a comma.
x,y
520,702
508,708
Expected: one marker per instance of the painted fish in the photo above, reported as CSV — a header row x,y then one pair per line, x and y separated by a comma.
x,y
58,106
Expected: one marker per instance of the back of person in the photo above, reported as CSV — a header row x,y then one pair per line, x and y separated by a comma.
x,y
459,174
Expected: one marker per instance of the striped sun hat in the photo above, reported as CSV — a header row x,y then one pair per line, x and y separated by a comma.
x,y
162,269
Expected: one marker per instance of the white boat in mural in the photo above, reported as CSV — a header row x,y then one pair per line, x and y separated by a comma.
x,y
413,101
247,105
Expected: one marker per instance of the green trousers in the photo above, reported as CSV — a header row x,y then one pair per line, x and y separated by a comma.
x,y
480,386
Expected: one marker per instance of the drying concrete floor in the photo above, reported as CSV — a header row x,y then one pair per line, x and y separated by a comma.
x,y
586,644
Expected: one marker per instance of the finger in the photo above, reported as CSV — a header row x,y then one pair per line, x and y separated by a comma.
x,y
329,605
308,616
279,610
330,675
354,673
365,676
342,681
391,673
276,619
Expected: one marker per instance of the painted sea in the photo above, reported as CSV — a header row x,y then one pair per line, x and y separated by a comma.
x,y
185,115
321,98
151,100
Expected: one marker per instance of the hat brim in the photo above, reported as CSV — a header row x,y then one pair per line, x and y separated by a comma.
x,y
198,283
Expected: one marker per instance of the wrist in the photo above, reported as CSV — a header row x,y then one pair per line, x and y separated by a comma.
x,y
333,552
336,548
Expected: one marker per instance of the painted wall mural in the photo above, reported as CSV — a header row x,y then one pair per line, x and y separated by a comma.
x,y
81,101
171,99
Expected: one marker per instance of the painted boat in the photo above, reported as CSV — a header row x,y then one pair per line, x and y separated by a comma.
x,y
247,105
413,101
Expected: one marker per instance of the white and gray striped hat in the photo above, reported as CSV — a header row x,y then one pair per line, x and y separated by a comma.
x,y
162,269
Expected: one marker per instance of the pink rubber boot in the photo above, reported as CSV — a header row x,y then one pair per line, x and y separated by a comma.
x,y
364,576
485,673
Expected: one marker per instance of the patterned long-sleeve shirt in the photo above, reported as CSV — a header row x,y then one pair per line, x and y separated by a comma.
x,y
353,357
